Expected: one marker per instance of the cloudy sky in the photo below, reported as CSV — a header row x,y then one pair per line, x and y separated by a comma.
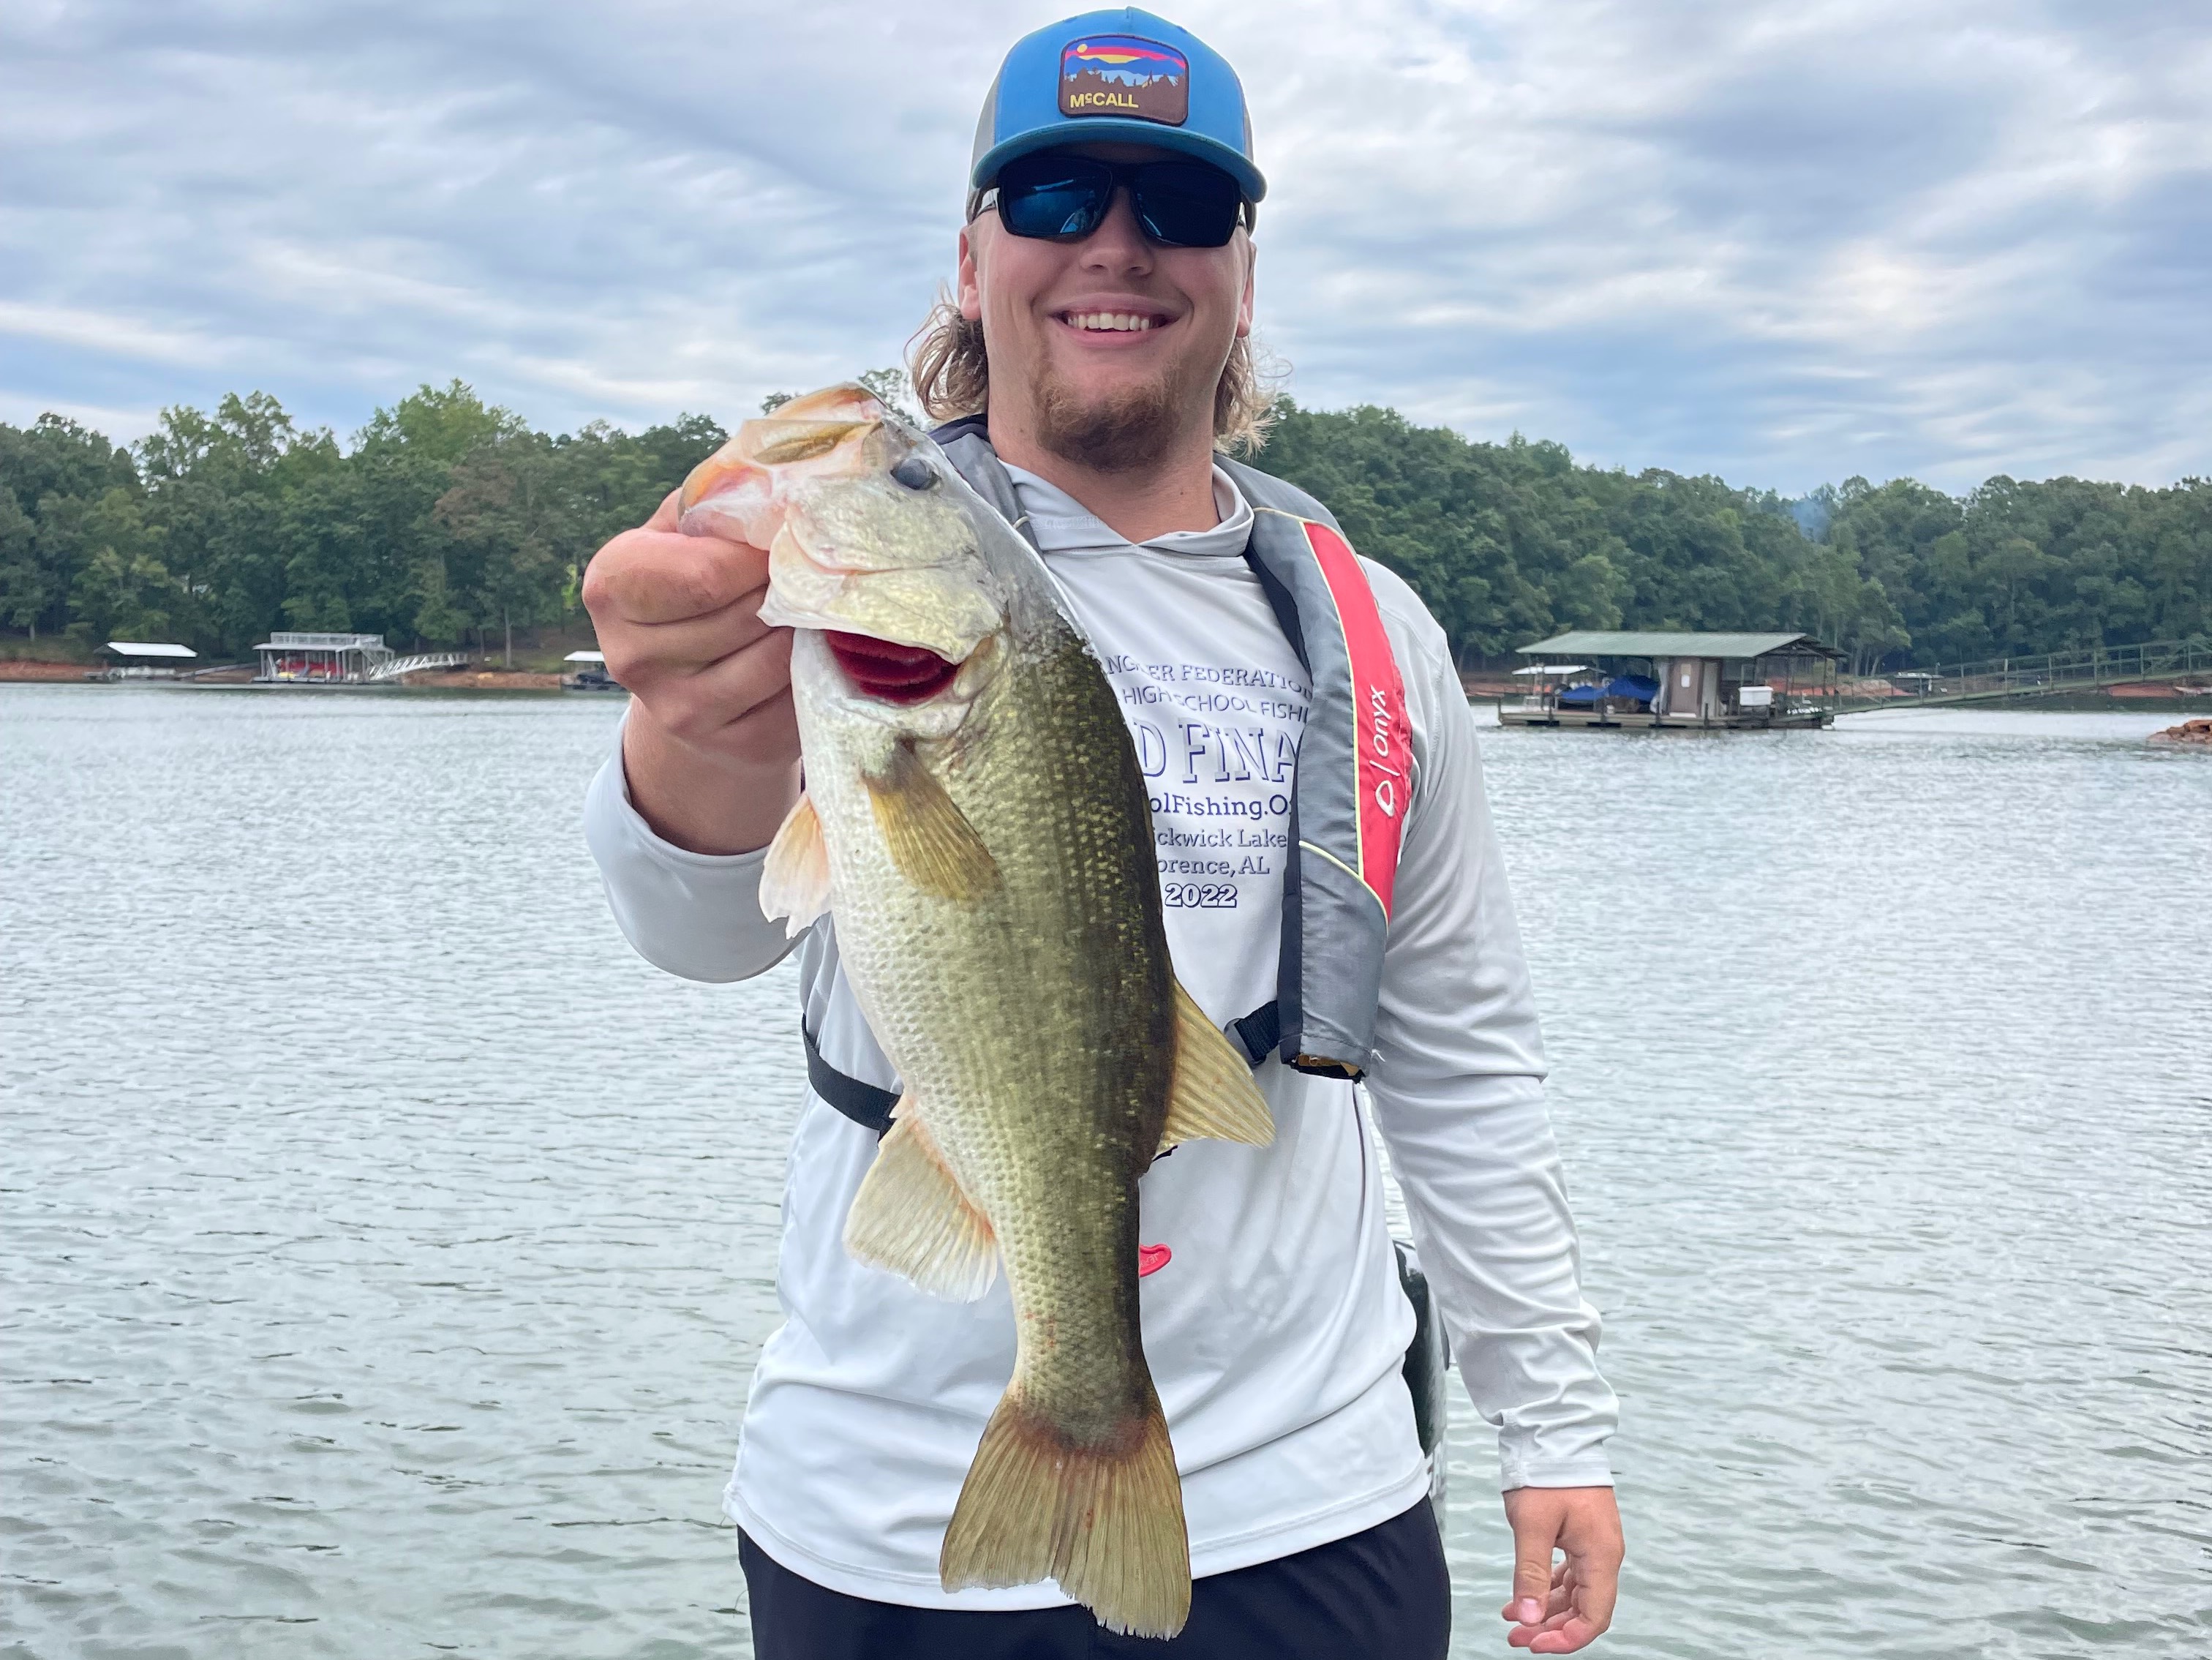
x,y
1784,240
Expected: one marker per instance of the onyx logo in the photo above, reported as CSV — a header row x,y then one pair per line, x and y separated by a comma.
x,y
1380,734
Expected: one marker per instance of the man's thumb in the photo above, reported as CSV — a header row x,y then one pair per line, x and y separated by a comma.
x,y
1536,1529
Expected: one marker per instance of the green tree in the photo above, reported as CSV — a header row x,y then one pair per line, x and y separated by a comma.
x,y
507,513
218,485
121,591
441,423
50,474
24,579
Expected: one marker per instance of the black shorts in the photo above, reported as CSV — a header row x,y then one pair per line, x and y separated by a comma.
x,y
1383,1592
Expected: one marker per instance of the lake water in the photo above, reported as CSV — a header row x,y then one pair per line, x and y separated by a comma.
x,y
386,1248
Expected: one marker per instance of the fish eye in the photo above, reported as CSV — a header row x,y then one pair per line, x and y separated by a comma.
x,y
915,473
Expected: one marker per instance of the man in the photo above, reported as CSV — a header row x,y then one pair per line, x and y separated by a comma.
x,y
1100,332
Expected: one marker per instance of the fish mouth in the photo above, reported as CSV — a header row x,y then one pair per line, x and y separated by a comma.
x,y
887,670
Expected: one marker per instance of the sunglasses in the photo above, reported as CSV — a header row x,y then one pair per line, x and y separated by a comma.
x,y
1064,199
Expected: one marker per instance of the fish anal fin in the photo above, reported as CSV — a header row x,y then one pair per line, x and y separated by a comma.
x,y
1212,1096
795,876
1105,1521
929,838
911,1217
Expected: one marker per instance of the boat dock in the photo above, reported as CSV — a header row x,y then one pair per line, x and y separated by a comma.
x,y
299,658
1672,681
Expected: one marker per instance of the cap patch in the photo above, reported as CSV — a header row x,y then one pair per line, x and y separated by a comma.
x,y
1121,75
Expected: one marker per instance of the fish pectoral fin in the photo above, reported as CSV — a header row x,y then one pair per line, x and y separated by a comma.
x,y
930,839
1101,1515
795,876
912,1216
1212,1096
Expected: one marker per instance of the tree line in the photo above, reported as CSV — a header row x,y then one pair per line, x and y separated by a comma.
x,y
447,521
1511,543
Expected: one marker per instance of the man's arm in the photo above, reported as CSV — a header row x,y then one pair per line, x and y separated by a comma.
x,y
697,915
1457,1094
709,761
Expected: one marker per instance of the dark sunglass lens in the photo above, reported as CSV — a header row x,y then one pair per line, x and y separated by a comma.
x,y
1053,197
1187,206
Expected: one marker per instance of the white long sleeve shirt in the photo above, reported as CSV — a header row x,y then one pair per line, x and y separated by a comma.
x,y
1274,1327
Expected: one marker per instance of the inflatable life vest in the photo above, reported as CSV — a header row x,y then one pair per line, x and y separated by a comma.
x,y
1348,804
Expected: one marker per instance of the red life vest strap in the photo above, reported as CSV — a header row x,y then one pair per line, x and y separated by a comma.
x,y
1385,751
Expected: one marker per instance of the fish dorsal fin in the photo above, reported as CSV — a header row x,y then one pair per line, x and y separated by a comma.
x,y
912,1216
1212,1096
795,876
929,838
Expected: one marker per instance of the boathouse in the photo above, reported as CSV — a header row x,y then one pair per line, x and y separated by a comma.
x,y
323,659
1669,679
142,659
588,672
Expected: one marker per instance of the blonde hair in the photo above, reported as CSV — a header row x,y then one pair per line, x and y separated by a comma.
x,y
951,375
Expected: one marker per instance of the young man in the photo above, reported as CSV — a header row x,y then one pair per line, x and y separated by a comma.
x,y
1100,334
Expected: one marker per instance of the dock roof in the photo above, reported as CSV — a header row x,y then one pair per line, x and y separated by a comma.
x,y
149,648
1596,642
296,640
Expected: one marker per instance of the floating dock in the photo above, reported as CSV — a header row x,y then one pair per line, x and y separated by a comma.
x,y
343,659
1670,681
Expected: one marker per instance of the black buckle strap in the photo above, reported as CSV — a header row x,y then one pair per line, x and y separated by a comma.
x,y
869,1107
864,1103
1256,1035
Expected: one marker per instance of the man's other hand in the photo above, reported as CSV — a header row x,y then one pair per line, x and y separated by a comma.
x,y
1556,1610
711,745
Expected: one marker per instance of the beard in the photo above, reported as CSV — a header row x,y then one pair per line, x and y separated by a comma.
x,y
1125,430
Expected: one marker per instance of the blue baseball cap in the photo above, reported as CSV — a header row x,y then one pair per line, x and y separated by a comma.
x,y
1122,75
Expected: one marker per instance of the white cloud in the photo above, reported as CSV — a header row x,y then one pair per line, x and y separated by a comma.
x,y
1782,241
117,333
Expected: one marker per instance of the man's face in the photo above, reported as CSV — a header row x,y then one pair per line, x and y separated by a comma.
x,y
1105,351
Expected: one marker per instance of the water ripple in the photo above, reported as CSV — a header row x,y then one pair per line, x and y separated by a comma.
x,y
386,1248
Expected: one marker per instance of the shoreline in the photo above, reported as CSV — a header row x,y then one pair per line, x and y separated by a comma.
x,y
31,670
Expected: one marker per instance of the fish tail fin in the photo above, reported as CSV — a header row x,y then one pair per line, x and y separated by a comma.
x,y
1105,1521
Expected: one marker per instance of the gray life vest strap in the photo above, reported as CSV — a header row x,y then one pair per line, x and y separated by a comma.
x,y
1354,779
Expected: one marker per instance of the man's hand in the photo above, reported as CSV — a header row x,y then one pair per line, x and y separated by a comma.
x,y
1558,1610
711,745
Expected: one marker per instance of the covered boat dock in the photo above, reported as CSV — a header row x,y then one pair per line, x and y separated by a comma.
x,y
322,660
587,671
1670,680
143,659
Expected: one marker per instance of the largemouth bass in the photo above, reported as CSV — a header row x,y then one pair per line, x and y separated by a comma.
x,y
975,820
